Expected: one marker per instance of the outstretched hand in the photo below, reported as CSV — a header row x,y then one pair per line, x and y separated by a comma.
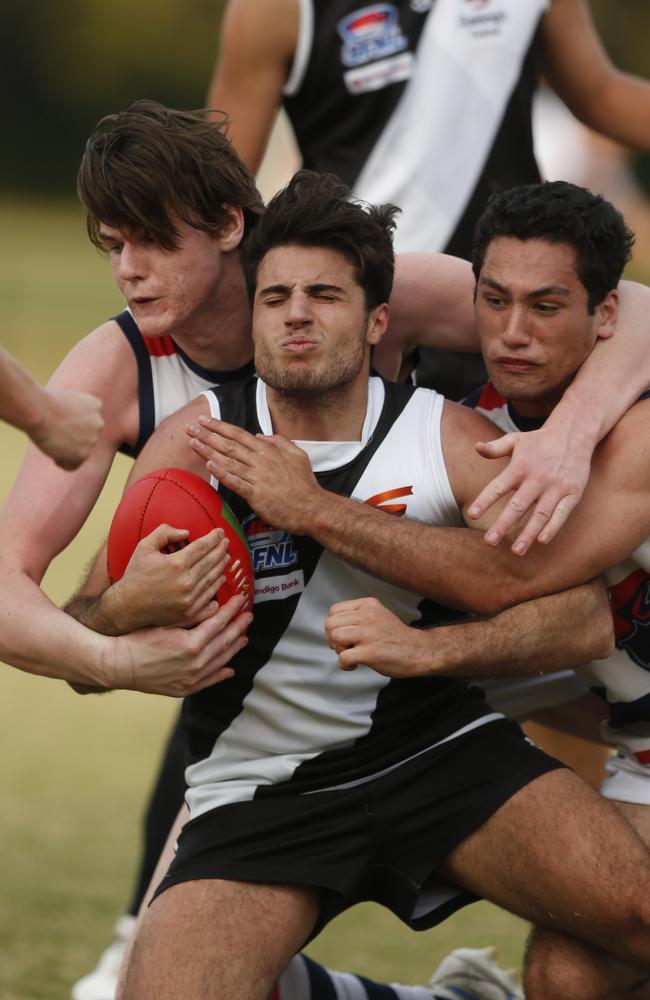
x,y
548,472
271,473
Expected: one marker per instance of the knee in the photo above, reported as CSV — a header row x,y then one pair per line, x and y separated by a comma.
x,y
550,969
560,967
638,933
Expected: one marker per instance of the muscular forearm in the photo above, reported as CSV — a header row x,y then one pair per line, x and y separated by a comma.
x,y
608,110
104,613
22,399
536,637
39,638
450,565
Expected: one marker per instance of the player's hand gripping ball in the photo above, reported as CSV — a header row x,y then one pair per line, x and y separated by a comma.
x,y
182,500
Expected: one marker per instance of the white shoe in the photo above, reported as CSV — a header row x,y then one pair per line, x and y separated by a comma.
x,y
101,983
472,974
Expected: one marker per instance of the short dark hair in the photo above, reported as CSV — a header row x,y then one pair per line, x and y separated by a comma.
x,y
148,163
560,212
317,210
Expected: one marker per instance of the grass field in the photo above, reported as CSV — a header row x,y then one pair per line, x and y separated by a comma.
x,y
74,771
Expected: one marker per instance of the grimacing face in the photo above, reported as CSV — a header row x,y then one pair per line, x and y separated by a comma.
x,y
311,327
533,320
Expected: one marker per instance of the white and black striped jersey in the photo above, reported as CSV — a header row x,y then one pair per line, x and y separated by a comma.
x,y
290,719
423,103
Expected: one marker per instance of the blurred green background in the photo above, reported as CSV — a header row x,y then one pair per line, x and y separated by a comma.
x,y
65,64
74,771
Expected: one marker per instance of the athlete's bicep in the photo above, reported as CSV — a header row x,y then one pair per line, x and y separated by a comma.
x,y
257,43
461,428
431,304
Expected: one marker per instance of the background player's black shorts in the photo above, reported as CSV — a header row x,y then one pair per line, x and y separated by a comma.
x,y
381,840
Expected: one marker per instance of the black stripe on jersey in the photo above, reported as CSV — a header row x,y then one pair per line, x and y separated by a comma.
x,y
421,711
208,713
130,330
335,130
344,479
425,708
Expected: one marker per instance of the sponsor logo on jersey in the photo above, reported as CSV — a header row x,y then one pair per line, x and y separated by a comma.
x,y
481,17
371,33
383,501
274,588
379,74
631,609
270,548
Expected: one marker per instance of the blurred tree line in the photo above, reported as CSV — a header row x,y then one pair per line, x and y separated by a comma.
x,y
65,63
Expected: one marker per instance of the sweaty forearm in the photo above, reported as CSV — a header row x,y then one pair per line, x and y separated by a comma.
x,y
536,637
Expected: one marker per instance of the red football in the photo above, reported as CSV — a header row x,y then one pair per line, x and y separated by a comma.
x,y
182,500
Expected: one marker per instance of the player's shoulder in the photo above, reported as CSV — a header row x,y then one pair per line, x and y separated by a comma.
x,y
460,430
95,358
460,422
264,23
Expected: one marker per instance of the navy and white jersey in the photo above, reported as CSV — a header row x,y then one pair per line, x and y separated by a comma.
x,y
167,378
423,103
290,721
623,679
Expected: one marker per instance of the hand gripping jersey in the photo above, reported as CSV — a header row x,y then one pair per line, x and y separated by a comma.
x,y
423,103
623,679
290,721
167,378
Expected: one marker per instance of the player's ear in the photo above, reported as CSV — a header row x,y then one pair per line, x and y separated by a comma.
x,y
377,323
607,315
232,230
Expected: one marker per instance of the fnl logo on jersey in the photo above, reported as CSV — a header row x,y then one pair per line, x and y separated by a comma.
x,y
370,33
272,550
